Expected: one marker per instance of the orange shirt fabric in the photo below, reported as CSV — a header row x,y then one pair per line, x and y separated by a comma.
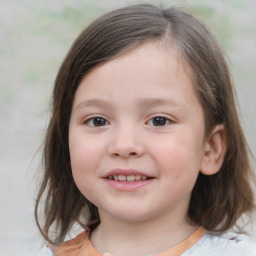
x,y
81,246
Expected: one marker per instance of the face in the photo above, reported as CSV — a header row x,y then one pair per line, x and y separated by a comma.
x,y
136,135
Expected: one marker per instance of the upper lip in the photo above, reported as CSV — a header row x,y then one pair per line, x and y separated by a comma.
x,y
126,172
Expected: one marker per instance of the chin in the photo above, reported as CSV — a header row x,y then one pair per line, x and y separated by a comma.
x,y
129,215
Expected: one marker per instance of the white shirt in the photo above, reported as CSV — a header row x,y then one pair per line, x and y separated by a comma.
x,y
210,245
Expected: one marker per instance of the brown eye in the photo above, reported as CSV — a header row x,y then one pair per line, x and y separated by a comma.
x,y
97,122
159,121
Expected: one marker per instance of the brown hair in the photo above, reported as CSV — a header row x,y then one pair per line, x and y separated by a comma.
x,y
218,200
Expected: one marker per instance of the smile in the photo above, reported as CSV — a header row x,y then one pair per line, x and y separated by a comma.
x,y
129,178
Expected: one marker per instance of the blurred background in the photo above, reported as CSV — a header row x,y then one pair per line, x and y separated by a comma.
x,y
35,35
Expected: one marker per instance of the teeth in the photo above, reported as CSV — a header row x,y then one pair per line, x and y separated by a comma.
x,y
121,177
138,177
131,178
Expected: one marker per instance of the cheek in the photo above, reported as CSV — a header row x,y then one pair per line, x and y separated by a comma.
x,y
84,158
179,157
83,165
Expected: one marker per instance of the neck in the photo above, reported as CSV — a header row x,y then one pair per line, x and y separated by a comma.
x,y
123,238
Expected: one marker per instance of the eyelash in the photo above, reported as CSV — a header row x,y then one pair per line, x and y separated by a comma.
x,y
166,120
94,119
163,121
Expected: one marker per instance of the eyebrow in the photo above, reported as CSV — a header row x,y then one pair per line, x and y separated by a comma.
x,y
160,102
92,102
141,102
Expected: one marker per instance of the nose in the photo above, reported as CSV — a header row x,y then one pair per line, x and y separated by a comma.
x,y
126,143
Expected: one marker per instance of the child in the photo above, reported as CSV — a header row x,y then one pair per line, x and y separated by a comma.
x,y
144,148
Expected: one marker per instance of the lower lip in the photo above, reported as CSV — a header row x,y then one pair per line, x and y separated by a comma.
x,y
128,186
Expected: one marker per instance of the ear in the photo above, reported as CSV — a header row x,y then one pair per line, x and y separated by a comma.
x,y
215,150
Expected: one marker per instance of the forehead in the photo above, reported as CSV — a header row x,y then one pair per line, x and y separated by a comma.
x,y
148,73
149,59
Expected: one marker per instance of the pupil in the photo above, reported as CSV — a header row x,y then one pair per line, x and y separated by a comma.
x,y
159,121
99,121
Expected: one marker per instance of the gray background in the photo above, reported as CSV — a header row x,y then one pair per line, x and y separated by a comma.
x,y
34,37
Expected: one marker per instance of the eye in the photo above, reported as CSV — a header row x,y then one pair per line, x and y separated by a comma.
x,y
97,121
159,121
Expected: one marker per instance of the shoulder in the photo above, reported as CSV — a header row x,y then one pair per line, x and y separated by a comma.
x,y
46,251
221,246
67,248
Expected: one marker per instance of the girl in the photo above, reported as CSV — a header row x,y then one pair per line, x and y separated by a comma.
x,y
144,148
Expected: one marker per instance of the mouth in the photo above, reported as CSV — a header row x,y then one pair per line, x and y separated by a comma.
x,y
128,178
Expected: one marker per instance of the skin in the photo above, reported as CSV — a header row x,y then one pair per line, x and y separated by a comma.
x,y
128,94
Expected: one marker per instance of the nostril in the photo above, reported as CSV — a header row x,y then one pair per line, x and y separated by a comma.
x,y
131,154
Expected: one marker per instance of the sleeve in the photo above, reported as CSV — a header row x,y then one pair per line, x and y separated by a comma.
x,y
47,251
